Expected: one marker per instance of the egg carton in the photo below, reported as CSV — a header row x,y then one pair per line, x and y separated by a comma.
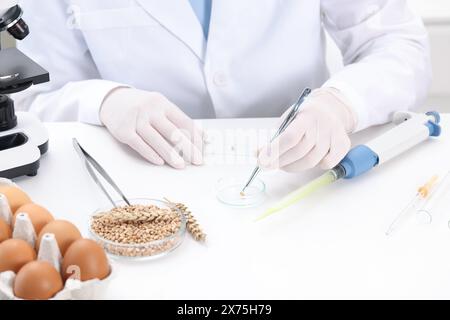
x,y
48,251
73,289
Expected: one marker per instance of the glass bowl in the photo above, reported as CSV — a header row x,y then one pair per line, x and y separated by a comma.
x,y
143,251
228,191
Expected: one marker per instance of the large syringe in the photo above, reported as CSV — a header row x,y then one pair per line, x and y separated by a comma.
x,y
411,129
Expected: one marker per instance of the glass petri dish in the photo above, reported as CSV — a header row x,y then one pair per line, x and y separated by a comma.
x,y
228,191
143,251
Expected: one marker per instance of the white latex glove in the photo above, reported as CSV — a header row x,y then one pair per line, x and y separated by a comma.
x,y
153,126
318,136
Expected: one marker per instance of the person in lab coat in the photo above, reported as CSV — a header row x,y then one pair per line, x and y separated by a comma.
x,y
145,68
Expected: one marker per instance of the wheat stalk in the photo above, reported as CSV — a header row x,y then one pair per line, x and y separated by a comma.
x,y
192,225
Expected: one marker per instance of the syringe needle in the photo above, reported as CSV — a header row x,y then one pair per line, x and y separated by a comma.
x,y
292,198
402,213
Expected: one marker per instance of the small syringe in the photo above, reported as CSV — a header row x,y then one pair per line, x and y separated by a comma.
x,y
419,199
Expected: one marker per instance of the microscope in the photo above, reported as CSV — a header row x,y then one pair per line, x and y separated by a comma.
x,y
23,138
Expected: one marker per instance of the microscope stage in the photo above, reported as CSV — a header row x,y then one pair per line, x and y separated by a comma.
x,y
15,62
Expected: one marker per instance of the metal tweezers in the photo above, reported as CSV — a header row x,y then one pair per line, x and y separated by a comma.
x,y
286,122
92,165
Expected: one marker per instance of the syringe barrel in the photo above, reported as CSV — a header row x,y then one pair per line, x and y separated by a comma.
x,y
415,129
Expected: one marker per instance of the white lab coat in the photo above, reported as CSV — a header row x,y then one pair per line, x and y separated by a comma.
x,y
259,56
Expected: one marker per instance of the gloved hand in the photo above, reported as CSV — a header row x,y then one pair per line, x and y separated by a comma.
x,y
153,126
319,135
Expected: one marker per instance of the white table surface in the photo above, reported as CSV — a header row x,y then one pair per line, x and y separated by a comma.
x,y
332,245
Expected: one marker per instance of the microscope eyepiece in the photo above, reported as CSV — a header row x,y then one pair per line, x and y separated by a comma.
x,y
12,22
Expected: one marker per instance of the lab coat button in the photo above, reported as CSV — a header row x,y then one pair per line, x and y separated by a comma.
x,y
220,79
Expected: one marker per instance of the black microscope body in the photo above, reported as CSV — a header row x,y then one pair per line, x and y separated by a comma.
x,y
23,138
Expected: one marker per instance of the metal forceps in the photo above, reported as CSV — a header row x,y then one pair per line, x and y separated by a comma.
x,y
286,122
92,165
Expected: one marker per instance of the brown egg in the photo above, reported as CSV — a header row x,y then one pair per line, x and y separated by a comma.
x,y
37,280
65,233
16,197
14,254
38,215
85,260
5,231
